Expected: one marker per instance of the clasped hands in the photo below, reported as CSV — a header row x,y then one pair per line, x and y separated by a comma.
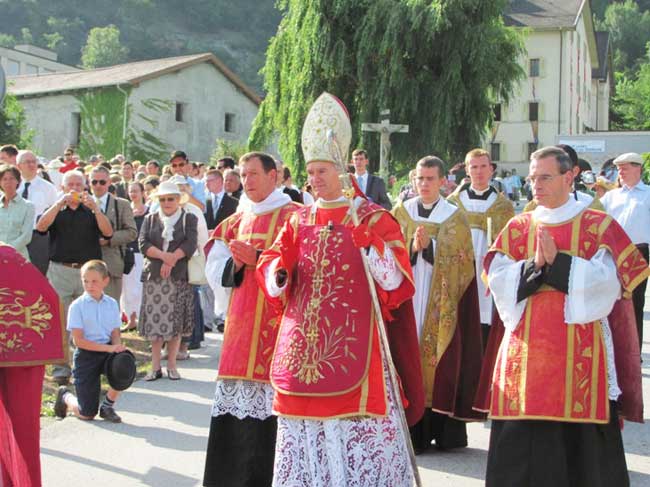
x,y
169,261
421,239
243,254
546,249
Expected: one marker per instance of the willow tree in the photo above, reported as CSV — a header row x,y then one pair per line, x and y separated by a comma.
x,y
438,65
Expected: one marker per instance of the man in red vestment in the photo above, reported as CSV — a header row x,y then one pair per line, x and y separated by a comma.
x,y
338,419
562,367
242,431
31,335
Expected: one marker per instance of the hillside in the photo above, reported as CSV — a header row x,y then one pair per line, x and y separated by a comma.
x,y
237,31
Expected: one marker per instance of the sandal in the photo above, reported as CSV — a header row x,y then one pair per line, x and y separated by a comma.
x,y
173,374
153,375
183,356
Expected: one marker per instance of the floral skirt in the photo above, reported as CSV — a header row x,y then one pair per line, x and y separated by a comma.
x,y
167,309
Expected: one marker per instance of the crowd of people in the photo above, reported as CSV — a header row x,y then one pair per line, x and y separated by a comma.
x,y
348,315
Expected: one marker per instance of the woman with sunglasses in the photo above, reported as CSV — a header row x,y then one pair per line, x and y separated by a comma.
x,y
131,284
168,238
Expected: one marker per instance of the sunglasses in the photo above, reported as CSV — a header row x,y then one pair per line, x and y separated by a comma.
x,y
169,199
221,167
101,182
182,164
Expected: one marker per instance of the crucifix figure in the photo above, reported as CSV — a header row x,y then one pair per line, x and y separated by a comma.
x,y
385,129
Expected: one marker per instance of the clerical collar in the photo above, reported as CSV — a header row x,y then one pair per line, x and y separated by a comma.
x,y
425,210
274,200
477,194
429,206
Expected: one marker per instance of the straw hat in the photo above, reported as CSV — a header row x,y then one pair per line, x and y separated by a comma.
x,y
169,188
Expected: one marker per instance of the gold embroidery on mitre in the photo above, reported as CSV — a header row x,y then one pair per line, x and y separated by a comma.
x,y
326,115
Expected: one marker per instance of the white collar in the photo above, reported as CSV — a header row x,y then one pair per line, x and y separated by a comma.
x,y
440,213
217,196
275,200
639,186
560,214
103,201
479,192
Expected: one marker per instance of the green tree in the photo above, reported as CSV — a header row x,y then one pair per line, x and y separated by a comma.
x,y
629,28
437,65
13,125
631,105
103,48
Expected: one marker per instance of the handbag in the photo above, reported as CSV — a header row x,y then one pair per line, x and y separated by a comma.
x,y
195,265
127,254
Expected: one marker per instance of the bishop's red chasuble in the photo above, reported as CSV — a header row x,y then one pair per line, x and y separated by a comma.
x,y
548,369
327,361
251,322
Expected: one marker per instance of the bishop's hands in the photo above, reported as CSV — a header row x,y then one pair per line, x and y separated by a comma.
x,y
421,239
546,249
243,254
364,236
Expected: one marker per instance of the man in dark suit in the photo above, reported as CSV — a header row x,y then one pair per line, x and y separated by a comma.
x,y
373,186
219,205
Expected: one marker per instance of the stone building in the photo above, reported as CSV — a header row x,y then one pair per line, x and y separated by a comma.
x,y
568,80
28,59
184,102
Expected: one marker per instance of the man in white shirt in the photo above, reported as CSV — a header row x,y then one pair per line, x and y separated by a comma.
x,y
629,205
42,195
372,186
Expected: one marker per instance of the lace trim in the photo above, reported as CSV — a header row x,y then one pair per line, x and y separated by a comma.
x,y
242,399
360,452
384,269
614,390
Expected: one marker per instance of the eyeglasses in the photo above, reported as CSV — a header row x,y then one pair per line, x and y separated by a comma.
x,y
167,200
101,182
221,167
543,179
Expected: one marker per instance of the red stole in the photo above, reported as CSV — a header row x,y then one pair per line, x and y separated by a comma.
x,y
251,322
548,369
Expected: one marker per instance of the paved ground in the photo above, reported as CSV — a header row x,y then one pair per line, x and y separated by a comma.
x,y
162,440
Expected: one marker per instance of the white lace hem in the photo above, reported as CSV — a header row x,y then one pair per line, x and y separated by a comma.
x,y
243,398
360,452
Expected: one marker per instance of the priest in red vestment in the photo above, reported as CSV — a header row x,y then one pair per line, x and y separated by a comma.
x,y
338,419
562,368
31,335
242,431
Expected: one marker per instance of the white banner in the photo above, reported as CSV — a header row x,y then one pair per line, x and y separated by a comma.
x,y
581,146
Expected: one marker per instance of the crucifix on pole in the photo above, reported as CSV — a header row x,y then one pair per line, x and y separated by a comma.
x,y
384,128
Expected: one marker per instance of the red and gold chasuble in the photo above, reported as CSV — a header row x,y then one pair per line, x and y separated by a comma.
x,y
327,362
548,369
251,322
31,319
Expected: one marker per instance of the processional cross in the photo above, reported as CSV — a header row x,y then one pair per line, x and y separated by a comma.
x,y
385,129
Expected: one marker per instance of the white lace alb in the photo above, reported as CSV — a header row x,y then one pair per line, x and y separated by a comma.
x,y
243,398
359,452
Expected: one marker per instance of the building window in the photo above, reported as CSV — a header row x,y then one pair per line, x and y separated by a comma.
x,y
533,112
75,132
533,70
180,112
532,147
229,123
13,67
497,112
495,151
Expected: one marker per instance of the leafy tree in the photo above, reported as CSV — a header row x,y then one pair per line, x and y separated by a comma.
x,y
438,65
227,148
103,48
629,27
13,125
631,105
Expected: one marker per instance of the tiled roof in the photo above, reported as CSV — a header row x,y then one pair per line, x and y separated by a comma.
x,y
121,74
543,14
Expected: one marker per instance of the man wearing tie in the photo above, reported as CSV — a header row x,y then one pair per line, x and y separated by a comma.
x,y
219,205
373,186
42,195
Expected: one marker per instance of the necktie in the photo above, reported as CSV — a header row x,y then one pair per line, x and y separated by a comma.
x,y
215,206
360,180
26,190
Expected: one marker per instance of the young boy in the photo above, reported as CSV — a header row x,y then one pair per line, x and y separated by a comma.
x,y
94,321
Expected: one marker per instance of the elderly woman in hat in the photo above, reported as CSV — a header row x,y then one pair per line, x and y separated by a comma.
x,y
168,238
